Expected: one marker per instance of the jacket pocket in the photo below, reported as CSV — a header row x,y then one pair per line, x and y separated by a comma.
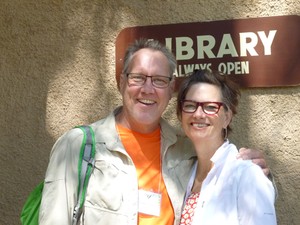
x,y
107,186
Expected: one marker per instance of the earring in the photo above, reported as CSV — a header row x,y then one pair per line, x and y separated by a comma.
x,y
225,133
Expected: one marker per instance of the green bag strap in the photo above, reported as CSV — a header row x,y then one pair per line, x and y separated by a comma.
x,y
85,166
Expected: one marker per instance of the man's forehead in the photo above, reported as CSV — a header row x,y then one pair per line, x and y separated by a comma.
x,y
147,52
150,59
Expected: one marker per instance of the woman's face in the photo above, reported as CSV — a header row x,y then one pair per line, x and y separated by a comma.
x,y
199,126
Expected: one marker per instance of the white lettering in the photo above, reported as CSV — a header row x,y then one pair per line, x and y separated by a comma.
x,y
227,47
178,71
188,68
168,43
234,67
248,46
202,48
267,41
245,67
205,66
230,67
222,68
184,48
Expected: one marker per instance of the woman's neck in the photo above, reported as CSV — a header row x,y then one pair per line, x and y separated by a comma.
x,y
205,150
202,170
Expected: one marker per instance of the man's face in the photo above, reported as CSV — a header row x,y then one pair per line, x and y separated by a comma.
x,y
144,105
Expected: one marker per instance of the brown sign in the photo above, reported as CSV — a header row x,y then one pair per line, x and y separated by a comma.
x,y
259,52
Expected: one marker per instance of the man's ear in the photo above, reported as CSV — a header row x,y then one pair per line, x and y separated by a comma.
x,y
172,87
121,83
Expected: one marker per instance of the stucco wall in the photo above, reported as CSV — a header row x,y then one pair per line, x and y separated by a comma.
x,y
57,71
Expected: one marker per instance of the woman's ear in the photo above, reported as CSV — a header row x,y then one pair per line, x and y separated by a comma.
x,y
228,117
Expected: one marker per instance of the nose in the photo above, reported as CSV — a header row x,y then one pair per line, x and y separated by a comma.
x,y
148,86
199,113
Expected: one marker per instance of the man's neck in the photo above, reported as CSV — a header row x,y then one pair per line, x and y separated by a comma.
x,y
136,126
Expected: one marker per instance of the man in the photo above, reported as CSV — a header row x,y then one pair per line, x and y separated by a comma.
x,y
142,165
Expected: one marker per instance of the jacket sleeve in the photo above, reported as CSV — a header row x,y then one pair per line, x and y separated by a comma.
x,y
61,181
256,197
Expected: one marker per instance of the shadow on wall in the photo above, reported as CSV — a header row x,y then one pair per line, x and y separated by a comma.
x,y
54,75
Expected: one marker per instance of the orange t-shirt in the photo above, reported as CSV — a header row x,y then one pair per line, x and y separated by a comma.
x,y
144,149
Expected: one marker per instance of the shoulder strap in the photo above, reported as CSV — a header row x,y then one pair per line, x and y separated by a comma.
x,y
85,167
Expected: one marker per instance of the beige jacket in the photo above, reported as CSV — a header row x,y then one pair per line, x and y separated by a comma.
x,y
112,194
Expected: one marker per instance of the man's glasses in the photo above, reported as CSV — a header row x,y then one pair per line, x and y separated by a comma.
x,y
138,79
209,108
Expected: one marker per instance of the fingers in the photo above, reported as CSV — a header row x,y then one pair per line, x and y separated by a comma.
x,y
266,171
260,162
257,158
247,153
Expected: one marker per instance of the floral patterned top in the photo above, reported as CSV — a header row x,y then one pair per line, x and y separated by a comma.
x,y
189,208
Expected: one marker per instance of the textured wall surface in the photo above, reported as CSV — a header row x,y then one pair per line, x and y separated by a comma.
x,y
57,71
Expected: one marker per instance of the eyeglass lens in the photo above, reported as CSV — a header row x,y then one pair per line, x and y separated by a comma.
x,y
140,79
207,107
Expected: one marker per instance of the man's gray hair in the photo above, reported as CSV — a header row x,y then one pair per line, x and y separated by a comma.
x,y
150,44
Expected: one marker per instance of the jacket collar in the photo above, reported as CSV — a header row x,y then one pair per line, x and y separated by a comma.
x,y
105,132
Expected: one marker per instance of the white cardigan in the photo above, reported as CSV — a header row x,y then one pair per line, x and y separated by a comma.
x,y
234,192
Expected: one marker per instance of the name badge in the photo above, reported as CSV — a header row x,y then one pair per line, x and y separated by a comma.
x,y
149,203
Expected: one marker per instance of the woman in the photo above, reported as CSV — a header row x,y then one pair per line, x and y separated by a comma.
x,y
222,189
